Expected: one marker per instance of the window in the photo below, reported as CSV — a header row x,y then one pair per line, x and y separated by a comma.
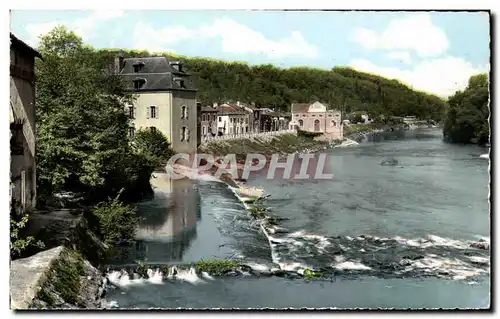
x,y
131,112
321,115
220,119
203,117
183,133
152,113
139,83
204,130
184,112
334,124
246,129
214,117
23,189
314,115
301,123
329,115
131,132
153,129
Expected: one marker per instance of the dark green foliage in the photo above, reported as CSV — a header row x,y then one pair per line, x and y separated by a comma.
x,y
216,267
466,119
117,221
82,126
164,270
19,243
308,134
142,270
153,145
266,85
356,118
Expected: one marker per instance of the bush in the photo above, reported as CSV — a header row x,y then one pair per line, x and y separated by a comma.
x,y
17,243
117,221
153,144
216,267
308,134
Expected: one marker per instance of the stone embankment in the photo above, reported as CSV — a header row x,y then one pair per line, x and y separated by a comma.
x,y
66,275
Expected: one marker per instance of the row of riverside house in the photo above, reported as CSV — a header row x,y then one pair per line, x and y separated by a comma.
x,y
166,101
240,118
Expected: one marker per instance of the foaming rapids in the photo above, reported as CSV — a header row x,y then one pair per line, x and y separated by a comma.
x,y
124,279
395,257
383,257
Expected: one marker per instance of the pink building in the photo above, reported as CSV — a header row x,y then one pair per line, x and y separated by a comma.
x,y
316,117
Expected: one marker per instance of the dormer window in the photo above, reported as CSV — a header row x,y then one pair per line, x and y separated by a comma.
x,y
139,83
180,82
138,66
177,66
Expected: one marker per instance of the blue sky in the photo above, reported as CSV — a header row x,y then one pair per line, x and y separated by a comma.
x,y
434,52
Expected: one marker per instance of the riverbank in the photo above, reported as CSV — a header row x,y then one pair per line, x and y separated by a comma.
x,y
265,145
358,132
66,275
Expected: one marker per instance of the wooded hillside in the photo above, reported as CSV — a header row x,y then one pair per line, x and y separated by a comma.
x,y
267,85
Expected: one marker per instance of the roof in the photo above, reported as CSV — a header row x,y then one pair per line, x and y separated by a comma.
x,y
158,73
208,109
300,107
17,43
229,109
304,107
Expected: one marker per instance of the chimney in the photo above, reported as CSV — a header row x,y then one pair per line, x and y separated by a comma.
x,y
118,63
215,105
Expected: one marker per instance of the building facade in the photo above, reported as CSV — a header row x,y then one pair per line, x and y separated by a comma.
x,y
232,120
208,121
165,99
316,117
22,126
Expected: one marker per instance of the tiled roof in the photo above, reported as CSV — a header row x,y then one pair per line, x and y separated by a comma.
x,y
157,72
229,109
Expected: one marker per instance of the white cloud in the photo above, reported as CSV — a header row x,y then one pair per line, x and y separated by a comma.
x,y
442,76
413,32
84,27
403,56
235,38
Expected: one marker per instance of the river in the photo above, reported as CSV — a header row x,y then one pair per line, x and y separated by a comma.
x,y
391,236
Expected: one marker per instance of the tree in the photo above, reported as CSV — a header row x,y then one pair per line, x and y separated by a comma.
x,y
466,119
82,142
153,144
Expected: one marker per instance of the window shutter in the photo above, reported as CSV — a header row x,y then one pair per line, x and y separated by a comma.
x,y
157,112
135,112
148,111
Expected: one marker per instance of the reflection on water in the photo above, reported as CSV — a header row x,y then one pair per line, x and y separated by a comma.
x,y
168,224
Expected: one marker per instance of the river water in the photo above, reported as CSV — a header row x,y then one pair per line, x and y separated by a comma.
x,y
389,236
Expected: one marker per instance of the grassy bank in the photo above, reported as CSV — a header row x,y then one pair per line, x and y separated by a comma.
x,y
362,128
266,145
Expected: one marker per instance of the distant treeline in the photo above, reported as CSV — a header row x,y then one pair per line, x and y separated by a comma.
x,y
267,85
